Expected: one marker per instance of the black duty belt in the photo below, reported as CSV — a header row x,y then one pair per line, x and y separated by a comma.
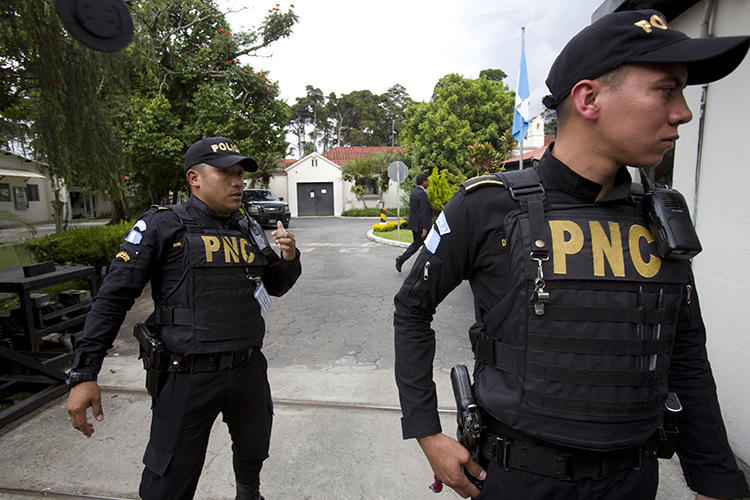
x,y
566,464
213,362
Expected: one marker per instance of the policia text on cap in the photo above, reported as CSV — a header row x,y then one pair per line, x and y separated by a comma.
x,y
211,273
582,327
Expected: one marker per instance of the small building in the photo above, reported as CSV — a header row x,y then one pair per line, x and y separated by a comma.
x,y
26,190
314,185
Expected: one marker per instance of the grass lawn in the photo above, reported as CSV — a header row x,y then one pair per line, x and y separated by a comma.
x,y
393,235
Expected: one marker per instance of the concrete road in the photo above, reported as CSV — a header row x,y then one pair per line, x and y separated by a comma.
x,y
337,434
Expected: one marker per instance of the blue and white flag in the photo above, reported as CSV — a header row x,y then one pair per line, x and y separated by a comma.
x,y
521,112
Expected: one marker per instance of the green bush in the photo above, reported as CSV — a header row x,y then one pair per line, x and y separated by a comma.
x,y
81,246
373,212
388,226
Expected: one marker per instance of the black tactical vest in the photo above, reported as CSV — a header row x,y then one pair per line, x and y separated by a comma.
x,y
212,307
580,353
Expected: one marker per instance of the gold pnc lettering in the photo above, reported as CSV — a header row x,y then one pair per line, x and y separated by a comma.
x,y
244,246
212,245
602,246
562,246
658,22
645,25
231,250
646,269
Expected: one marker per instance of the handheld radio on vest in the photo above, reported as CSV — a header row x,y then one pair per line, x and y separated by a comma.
x,y
669,221
256,233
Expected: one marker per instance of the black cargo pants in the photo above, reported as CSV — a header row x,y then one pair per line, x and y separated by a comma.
x,y
183,415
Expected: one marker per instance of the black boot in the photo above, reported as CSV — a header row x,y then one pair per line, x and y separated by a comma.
x,y
248,492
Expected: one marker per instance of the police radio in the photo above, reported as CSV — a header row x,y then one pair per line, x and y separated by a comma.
x,y
669,221
257,234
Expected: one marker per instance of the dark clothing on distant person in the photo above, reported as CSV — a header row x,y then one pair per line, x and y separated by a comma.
x,y
420,219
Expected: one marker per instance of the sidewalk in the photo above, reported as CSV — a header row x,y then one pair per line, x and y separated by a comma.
x,y
317,451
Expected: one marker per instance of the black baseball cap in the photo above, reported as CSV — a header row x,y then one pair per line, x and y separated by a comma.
x,y
103,25
639,36
218,152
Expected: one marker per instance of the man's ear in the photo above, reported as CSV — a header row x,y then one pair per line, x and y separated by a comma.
x,y
194,178
583,99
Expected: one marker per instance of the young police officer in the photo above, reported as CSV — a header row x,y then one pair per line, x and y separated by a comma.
x,y
210,277
582,329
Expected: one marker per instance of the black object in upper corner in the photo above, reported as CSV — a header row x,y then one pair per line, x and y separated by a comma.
x,y
103,25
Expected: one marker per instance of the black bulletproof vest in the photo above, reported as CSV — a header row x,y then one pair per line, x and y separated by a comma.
x,y
581,347
212,308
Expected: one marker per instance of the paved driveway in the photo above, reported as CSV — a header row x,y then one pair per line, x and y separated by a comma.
x,y
340,311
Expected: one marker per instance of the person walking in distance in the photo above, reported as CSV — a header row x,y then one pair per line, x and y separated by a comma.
x,y
420,219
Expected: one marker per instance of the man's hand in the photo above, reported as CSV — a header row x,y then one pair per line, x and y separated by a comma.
x,y
286,241
448,460
424,233
81,397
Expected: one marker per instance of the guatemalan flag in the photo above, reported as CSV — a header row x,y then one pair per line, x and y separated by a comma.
x,y
521,113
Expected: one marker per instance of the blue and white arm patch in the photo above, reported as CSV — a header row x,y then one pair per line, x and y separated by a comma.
x,y
442,224
432,240
135,235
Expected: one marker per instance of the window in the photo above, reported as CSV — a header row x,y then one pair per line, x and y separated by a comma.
x,y
371,186
33,192
5,192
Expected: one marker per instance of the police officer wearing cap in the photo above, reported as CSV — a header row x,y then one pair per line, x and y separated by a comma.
x,y
582,329
211,271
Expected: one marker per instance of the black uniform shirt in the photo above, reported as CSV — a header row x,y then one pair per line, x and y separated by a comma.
x,y
151,248
471,251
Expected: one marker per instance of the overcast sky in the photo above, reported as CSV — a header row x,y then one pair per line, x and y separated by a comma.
x,y
345,45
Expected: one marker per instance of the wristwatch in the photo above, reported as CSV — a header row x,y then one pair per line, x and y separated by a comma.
x,y
76,377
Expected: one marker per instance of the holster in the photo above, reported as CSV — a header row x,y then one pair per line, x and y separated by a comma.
x,y
155,359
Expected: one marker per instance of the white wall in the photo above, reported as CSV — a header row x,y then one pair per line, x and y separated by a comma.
x,y
721,271
278,186
390,197
314,168
37,211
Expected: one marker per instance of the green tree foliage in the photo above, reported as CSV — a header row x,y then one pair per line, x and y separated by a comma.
x,y
462,111
101,119
374,166
268,164
440,189
359,118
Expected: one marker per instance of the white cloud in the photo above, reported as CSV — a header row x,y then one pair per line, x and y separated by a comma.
x,y
340,46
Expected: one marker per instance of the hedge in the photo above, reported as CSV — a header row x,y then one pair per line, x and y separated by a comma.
x,y
373,212
81,246
388,226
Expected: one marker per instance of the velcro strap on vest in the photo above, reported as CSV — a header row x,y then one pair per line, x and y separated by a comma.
x,y
569,406
526,188
499,354
190,224
595,377
607,314
169,316
582,345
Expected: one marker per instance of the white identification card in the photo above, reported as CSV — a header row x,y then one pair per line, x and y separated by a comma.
x,y
261,295
432,241
442,224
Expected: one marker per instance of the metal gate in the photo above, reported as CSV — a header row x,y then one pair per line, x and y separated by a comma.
x,y
315,198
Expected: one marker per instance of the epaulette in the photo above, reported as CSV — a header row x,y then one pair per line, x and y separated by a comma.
x,y
481,181
160,207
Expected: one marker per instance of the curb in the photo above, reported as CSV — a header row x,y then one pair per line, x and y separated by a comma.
x,y
383,241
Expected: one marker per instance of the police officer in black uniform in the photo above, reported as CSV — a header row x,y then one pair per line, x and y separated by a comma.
x,y
211,271
581,327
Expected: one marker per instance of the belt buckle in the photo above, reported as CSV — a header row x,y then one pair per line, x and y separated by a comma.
x,y
225,361
501,450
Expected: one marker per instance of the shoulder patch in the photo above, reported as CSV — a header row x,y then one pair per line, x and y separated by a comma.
x,y
481,181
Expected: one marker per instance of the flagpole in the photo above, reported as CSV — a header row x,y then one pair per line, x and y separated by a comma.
x,y
520,158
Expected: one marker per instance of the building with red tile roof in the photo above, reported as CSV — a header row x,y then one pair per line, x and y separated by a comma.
x,y
344,154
